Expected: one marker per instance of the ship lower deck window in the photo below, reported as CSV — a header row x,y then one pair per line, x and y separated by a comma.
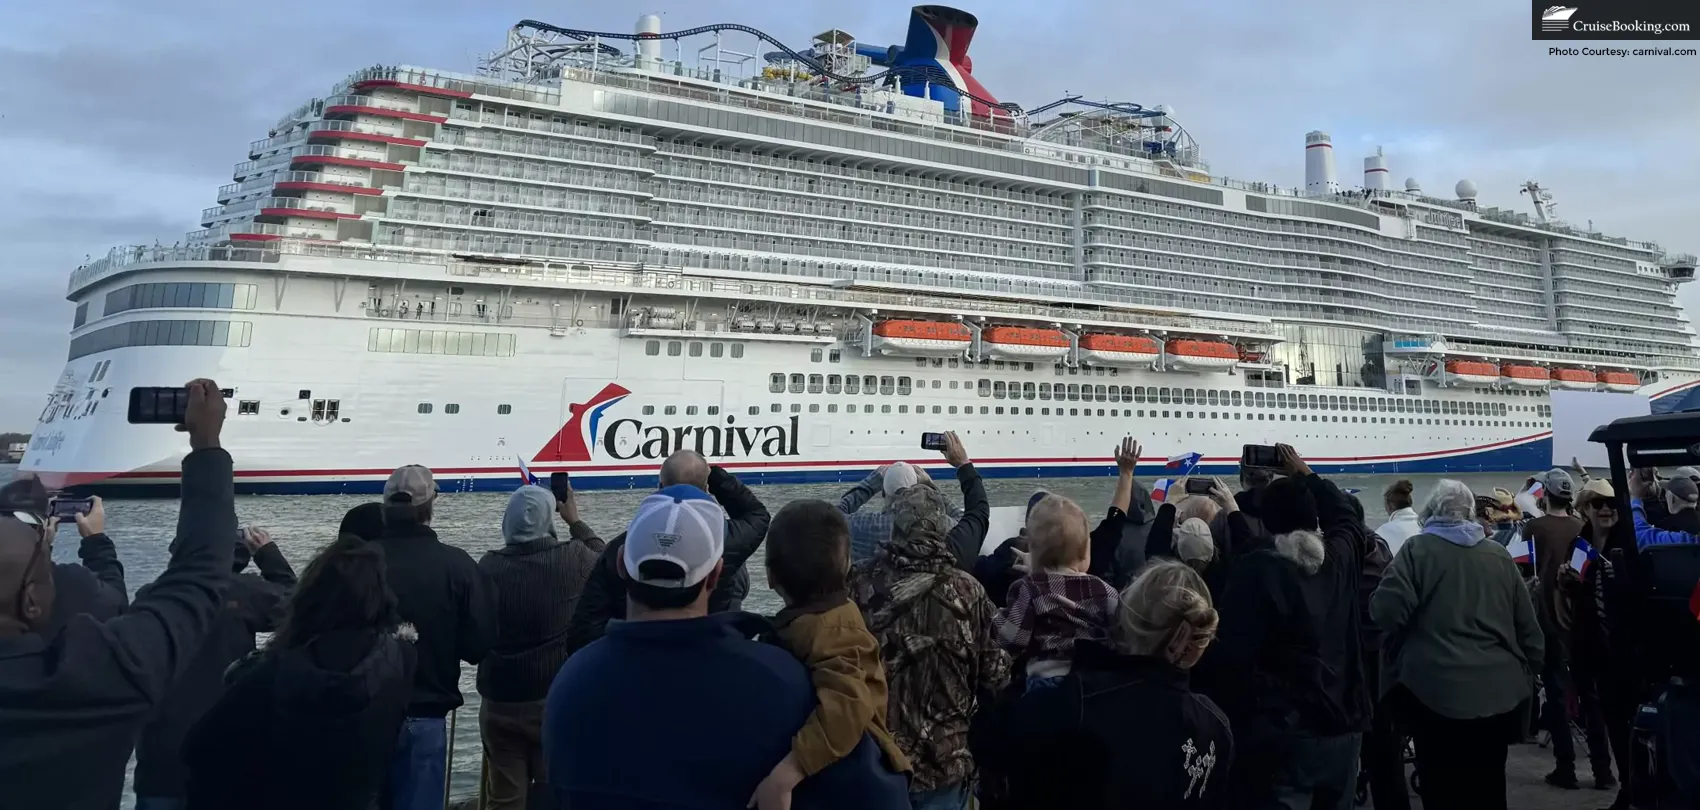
x,y
716,349
696,349
652,347
674,348
776,383
670,410
649,410
755,410
424,407
504,410
815,355
737,350
774,407
451,408
248,407
796,383
713,410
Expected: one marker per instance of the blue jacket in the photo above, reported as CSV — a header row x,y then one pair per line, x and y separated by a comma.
x,y
1646,534
691,713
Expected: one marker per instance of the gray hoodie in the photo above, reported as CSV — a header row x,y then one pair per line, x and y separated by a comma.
x,y
530,516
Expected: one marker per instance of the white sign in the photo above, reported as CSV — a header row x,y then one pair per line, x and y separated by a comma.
x,y
1575,414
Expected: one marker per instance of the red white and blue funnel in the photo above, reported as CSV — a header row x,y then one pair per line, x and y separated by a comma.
x,y
938,44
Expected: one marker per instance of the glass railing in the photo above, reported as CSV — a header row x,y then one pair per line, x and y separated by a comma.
x,y
276,141
363,127
457,82
370,101
552,126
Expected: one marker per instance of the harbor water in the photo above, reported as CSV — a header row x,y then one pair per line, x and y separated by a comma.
x,y
300,525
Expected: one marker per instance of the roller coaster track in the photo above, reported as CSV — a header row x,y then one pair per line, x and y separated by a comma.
x,y
932,75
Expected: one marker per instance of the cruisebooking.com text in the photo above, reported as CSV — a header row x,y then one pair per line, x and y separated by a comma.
x,y
1623,52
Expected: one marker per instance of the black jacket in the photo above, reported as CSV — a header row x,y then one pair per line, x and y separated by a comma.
x,y
746,527
71,704
537,586
1288,656
1119,732
996,571
1118,543
252,604
1688,520
311,727
440,591
95,587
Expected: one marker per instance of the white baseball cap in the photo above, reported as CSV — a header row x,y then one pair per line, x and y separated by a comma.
x,y
681,525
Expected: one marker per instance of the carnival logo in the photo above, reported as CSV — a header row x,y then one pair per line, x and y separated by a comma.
x,y
627,439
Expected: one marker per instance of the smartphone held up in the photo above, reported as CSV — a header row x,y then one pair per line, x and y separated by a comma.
x,y
163,406
1260,455
561,484
932,441
67,509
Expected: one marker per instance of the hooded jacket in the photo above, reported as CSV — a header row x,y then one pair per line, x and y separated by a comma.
x,y
604,594
252,604
1400,526
538,581
869,528
441,592
308,727
1072,745
934,627
70,705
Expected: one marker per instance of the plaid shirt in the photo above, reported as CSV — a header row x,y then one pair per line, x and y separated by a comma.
x,y
1050,610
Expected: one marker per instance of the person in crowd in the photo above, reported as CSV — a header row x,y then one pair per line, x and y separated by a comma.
x,y
1551,537
365,521
679,707
1194,545
1287,665
1057,605
1119,541
604,595
1598,604
1679,496
1465,652
1402,520
1252,482
808,563
1123,730
313,719
1499,516
1011,560
253,603
96,586
538,580
440,591
1382,758
934,626
1682,502
72,703
1202,507
869,528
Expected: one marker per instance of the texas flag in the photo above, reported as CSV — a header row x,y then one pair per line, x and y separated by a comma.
x,y
1521,549
1183,462
1581,554
525,475
1160,489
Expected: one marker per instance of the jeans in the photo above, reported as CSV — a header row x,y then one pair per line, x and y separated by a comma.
x,y
513,748
1318,773
1462,762
419,768
157,803
1043,683
949,797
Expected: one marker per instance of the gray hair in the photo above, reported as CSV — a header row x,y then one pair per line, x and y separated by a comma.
x,y
1450,500
1167,599
1193,542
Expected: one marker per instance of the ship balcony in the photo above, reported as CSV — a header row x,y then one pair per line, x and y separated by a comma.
x,y
366,105
357,131
297,207
264,145
336,156
1680,268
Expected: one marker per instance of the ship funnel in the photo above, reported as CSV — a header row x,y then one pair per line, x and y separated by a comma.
x,y
648,50
1375,171
1319,164
938,47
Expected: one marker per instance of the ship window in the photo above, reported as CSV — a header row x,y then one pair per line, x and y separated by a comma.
x,y
998,389
776,383
905,408
796,383
82,315
885,409
984,387
713,410
955,363
1234,398
737,350
451,408
817,383
984,410
696,349
670,410
834,383
1212,398
814,408
1163,396
1187,397
851,408
887,385
832,407
755,411
796,407
903,387
815,355
852,384
952,410
652,347
318,410
248,407
1045,391
673,348
998,410
1139,393
833,356
1115,393
774,407
424,407
716,349
304,394
1098,393
1029,391
1074,392
870,384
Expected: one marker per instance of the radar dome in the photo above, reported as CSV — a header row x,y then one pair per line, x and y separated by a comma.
x,y
1412,185
1466,190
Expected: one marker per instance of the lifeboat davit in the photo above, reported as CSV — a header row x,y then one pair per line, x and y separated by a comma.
x,y
1623,382
1119,350
920,338
1472,372
1200,354
1023,343
1575,379
1524,376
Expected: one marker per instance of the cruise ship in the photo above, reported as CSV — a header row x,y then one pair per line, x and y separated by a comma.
x,y
601,247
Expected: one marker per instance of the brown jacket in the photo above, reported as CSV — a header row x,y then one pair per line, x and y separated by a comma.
x,y
1551,537
843,658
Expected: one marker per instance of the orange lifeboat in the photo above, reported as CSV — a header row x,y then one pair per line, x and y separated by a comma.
x,y
1023,343
1200,354
1575,379
1623,382
920,338
1525,376
1472,372
1119,350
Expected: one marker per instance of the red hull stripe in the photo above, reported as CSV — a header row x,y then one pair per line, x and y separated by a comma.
x,y
756,465
254,237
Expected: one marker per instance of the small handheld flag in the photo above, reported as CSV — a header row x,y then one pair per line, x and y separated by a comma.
x,y
1183,462
1581,554
1521,549
525,475
1160,489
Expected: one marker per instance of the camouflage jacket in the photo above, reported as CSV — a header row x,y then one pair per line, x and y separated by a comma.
x,y
934,626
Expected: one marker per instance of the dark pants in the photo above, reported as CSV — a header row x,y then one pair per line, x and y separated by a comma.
x,y
1462,762
1298,772
1612,701
1384,761
420,767
513,747
1559,687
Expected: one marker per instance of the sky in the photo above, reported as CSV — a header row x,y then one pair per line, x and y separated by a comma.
x,y
119,120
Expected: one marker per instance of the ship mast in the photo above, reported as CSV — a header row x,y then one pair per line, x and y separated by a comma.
x,y
1545,209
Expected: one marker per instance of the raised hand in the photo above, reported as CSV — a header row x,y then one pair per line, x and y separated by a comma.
x,y
1127,455
204,418
94,522
954,453
1223,496
1291,463
256,539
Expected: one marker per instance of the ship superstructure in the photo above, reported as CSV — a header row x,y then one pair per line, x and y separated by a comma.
x,y
598,249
